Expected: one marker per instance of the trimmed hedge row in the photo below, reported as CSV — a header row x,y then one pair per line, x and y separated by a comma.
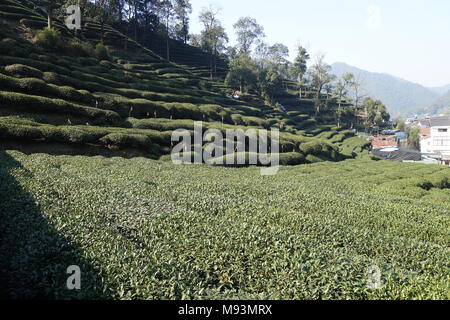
x,y
23,71
41,104
37,86
83,135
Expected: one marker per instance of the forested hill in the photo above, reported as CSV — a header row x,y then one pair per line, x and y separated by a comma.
x,y
67,93
400,96
440,106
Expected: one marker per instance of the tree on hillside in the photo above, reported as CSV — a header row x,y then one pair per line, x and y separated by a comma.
x,y
230,53
320,78
299,67
49,6
248,32
341,92
133,10
183,9
358,94
117,8
103,14
195,40
167,12
401,125
278,56
269,82
414,138
243,74
214,36
275,56
374,113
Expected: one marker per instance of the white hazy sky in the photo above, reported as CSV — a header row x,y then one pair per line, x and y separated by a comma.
x,y
409,39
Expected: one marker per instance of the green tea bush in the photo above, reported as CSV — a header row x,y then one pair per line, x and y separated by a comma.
x,y
49,39
292,159
311,232
40,104
51,77
20,70
8,46
131,140
311,147
313,159
33,85
101,52
80,49
34,23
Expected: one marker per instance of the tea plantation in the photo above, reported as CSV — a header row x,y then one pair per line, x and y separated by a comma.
x,y
145,229
86,180
72,99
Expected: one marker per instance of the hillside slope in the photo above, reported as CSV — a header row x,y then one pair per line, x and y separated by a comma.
x,y
440,106
67,101
440,90
400,96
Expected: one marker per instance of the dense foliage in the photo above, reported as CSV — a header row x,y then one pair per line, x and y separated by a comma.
x,y
143,229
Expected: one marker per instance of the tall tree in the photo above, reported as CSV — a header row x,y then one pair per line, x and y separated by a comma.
x,y
299,67
374,113
414,138
167,11
401,125
117,7
358,95
213,35
248,32
269,82
49,6
183,9
341,92
320,78
133,10
243,74
103,14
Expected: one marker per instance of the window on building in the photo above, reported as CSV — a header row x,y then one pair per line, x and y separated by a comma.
x,y
442,130
441,142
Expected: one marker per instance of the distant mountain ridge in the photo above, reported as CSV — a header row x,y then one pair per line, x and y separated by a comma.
x,y
400,96
441,90
440,106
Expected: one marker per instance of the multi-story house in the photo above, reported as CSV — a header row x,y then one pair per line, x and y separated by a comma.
x,y
436,144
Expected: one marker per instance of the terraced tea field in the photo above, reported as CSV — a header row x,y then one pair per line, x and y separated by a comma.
x,y
146,229
70,101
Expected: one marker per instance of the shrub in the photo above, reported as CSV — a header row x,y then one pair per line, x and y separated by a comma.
x,y
101,52
42,104
7,46
312,147
313,159
81,49
443,184
51,77
49,39
292,159
33,85
128,140
20,70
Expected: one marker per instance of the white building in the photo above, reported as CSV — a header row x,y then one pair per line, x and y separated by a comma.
x,y
437,144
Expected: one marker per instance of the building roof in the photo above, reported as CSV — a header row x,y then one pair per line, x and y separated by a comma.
x,y
425,131
395,154
425,123
440,122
